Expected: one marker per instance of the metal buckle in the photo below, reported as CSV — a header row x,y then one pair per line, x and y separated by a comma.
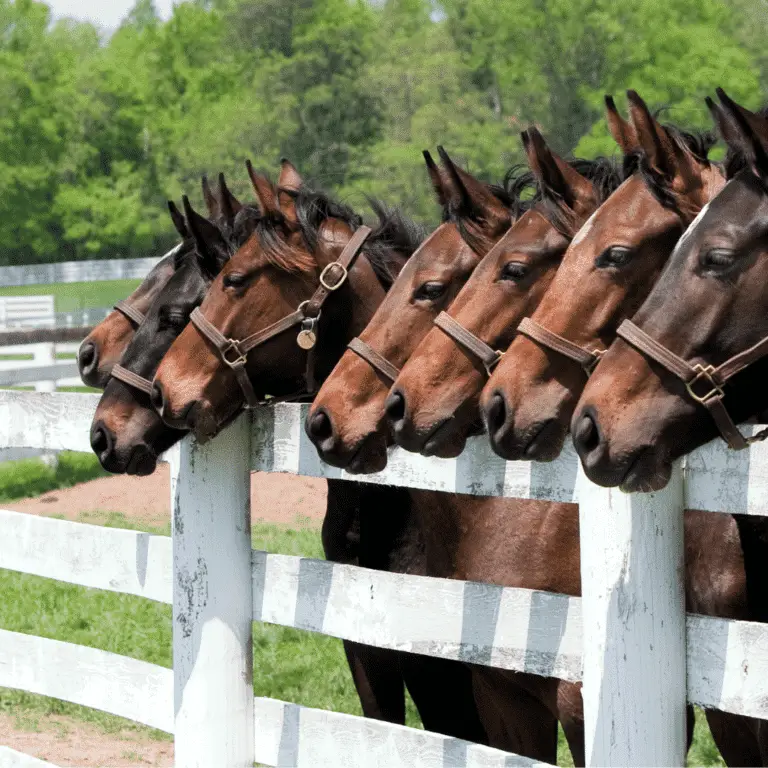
x,y
325,272
598,353
489,367
704,373
241,358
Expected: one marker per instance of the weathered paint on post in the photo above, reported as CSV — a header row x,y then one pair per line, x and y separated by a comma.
x,y
633,608
212,601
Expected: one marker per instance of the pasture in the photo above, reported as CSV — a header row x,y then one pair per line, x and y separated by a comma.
x,y
73,296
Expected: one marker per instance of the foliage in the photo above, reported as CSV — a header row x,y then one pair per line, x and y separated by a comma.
x,y
96,131
31,477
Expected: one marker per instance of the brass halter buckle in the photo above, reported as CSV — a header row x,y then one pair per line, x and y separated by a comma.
x,y
705,373
326,272
241,358
489,367
598,356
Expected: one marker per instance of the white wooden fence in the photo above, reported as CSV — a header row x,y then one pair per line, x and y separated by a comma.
x,y
640,657
77,271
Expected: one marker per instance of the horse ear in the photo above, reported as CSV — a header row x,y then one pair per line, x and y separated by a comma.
x,y
726,126
289,183
210,246
471,196
178,220
753,130
264,189
556,177
211,202
438,183
230,205
623,132
653,138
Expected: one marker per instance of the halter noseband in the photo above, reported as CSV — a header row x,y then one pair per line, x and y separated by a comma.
x,y
704,383
586,358
133,314
234,353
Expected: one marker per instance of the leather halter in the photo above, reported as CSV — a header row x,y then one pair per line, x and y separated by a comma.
x,y
374,359
234,353
586,358
489,357
704,383
133,314
131,379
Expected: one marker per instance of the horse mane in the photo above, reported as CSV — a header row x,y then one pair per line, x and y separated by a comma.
x,y
605,173
394,238
697,143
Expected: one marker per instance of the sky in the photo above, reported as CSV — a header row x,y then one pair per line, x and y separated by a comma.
x,y
104,13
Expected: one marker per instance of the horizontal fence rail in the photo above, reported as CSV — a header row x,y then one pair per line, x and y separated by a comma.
x,y
76,271
9,758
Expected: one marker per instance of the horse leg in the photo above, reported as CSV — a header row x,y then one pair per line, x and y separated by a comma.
x,y
735,737
515,719
379,681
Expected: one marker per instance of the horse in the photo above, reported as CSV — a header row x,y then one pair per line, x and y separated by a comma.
x,y
432,407
295,241
105,344
462,533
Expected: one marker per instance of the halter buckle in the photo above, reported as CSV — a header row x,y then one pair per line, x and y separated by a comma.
x,y
327,270
706,373
489,367
241,358
597,357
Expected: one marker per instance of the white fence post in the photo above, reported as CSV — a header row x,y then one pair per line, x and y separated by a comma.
x,y
212,603
634,625
45,354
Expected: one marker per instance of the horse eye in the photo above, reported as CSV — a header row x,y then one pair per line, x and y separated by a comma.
x,y
615,256
718,259
234,280
430,291
513,270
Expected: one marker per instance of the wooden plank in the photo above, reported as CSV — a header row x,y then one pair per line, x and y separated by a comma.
x,y
39,335
9,758
291,736
728,665
57,422
633,606
213,607
517,629
119,685
24,375
131,562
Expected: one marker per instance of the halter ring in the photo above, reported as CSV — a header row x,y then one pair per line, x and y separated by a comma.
x,y
241,358
706,374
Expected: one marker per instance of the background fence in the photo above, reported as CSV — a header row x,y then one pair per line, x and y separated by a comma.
x,y
640,657
76,271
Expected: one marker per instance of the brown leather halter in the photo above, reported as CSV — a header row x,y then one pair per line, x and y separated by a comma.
x,y
123,374
133,314
710,379
489,357
234,353
586,358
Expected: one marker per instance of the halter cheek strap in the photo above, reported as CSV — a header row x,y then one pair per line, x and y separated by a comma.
x,y
488,356
703,383
133,314
586,358
234,353
131,379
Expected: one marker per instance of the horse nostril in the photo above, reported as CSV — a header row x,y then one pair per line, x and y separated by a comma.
x,y
495,413
586,436
87,357
395,407
157,398
319,425
101,441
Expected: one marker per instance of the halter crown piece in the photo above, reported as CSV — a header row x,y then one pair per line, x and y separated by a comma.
x,y
234,353
704,383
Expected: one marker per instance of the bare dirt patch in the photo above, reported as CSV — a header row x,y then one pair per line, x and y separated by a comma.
x,y
71,744
275,498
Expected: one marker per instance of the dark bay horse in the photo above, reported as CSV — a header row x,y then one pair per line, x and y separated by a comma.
x,y
495,540
298,235
433,405
105,344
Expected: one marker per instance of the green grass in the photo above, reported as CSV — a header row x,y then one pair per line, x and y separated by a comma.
x,y
291,665
31,477
72,296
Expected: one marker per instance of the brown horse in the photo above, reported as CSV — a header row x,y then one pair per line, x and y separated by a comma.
x,y
493,540
299,236
608,270
475,216
106,343
433,405
707,307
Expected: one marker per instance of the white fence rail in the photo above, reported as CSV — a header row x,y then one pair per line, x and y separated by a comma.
x,y
628,638
76,272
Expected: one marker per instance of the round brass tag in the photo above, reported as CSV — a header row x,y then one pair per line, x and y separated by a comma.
x,y
306,339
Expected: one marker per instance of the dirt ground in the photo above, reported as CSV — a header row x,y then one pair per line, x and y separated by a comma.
x,y
67,743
